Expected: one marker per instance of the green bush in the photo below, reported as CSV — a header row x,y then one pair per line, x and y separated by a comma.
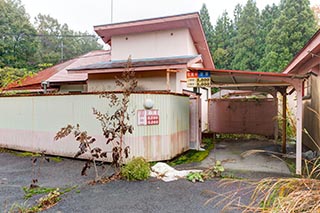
x,y
136,169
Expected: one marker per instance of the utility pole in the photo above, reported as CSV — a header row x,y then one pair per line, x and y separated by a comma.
x,y
111,11
62,53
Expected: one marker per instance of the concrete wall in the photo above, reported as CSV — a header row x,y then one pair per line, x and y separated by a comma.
x,y
243,116
175,42
30,123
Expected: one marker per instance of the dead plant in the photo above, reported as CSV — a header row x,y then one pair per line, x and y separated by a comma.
x,y
114,126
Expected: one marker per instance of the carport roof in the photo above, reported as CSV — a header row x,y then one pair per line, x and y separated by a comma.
x,y
248,80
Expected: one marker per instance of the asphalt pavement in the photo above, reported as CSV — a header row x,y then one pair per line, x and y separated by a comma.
x,y
152,195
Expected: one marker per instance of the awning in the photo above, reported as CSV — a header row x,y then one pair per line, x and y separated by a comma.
x,y
249,80
266,82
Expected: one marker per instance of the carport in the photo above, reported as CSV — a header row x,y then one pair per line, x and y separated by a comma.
x,y
267,82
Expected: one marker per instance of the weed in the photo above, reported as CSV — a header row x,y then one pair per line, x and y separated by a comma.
x,y
30,192
214,171
27,154
51,198
136,169
195,176
56,159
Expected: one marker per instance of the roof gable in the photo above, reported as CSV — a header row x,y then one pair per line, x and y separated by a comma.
x,y
190,21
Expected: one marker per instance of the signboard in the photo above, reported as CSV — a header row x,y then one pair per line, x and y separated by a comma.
x,y
200,78
148,117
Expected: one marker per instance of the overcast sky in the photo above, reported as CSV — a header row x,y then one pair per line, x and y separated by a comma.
x,y
82,15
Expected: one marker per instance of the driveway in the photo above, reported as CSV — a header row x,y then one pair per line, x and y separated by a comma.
x,y
152,195
118,196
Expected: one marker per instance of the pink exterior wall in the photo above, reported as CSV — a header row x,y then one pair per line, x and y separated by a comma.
x,y
243,116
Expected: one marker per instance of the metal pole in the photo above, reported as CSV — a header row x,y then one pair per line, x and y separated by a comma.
x,y
111,11
62,53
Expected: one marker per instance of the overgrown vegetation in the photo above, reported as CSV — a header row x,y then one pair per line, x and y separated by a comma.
x,y
195,177
212,172
30,192
114,125
191,156
220,137
136,169
51,198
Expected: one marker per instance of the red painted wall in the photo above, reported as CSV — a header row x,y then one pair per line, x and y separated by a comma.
x,y
243,116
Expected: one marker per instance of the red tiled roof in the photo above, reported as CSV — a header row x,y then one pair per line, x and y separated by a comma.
x,y
59,74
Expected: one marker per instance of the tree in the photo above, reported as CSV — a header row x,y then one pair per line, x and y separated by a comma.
x,y
291,30
222,39
246,49
268,15
17,45
59,43
9,75
207,26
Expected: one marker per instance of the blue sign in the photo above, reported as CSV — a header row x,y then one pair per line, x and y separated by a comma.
x,y
203,74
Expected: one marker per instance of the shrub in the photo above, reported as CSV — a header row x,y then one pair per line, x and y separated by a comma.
x,y
136,169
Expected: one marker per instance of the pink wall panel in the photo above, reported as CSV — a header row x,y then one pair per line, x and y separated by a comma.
x,y
243,116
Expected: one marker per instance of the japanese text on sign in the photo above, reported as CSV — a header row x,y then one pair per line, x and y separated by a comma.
x,y
198,79
148,117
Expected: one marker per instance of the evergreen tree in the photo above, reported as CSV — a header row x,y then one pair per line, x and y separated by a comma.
x,y
236,15
291,30
268,15
207,26
246,48
222,37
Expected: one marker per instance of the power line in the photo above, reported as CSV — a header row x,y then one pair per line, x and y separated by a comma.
x,y
46,35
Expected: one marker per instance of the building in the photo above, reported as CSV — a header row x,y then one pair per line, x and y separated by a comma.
x,y
307,62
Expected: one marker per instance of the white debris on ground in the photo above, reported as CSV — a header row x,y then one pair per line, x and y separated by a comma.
x,y
166,173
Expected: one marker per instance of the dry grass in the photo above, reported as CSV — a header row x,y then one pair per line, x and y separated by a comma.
x,y
296,194
286,195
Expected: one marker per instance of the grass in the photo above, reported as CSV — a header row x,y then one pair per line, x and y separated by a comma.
x,y
192,156
27,154
30,192
56,159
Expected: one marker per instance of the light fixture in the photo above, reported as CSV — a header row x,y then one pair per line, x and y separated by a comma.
x,y
148,103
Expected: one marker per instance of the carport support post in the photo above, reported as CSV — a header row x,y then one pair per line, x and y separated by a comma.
x,y
298,88
283,92
284,122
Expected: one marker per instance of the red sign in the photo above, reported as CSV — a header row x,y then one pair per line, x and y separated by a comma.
x,y
192,74
152,119
148,117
